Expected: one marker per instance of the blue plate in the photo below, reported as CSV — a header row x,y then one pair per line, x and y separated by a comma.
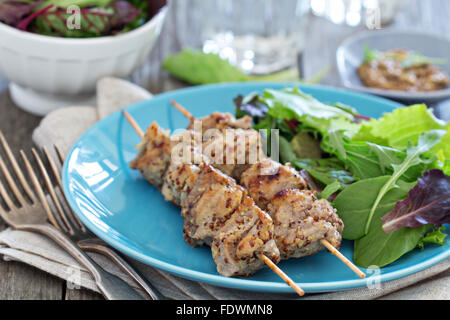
x,y
120,207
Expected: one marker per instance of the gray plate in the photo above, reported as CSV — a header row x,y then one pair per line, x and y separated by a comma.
x,y
351,53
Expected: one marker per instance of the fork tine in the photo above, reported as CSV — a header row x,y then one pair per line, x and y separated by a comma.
x,y
16,168
6,198
53,166
39,191
59,154
57,174
59,212
11,183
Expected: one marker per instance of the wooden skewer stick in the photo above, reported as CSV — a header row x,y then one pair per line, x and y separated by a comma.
x,y
328,245
265,259
281,274
183,111
134,124
347,262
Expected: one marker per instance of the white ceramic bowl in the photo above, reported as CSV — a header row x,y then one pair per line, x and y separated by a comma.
x,y
51,72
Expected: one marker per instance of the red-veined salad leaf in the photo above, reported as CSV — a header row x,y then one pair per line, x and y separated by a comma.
x,y
94,21
96,17
426,141
13,11
427,203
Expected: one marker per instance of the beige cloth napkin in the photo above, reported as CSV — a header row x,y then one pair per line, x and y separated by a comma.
x,y
62,127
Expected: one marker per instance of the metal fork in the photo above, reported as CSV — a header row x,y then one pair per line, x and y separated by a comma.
x,y
75,229
30,215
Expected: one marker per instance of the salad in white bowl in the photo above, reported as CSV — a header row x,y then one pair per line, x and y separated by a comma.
x,y
53,54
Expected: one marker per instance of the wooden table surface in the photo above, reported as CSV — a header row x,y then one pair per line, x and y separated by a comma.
x,y
19,281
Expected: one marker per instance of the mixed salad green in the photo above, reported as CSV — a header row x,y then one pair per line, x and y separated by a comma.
x,y
94,18
388,178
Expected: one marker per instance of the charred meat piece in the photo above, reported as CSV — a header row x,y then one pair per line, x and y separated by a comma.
x,y
233,151
218,120
267,178
154,156
248,233
178,182
209,204
301,221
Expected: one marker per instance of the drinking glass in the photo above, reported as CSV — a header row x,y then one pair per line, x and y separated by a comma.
x,y
258,36
374,13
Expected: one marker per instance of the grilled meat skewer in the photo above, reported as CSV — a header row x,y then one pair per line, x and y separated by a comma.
x,y
216,210
305,225
301,219
228,261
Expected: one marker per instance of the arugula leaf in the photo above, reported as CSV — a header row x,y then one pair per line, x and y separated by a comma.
x,y
427,203
413,157
368,160
331,189
325,171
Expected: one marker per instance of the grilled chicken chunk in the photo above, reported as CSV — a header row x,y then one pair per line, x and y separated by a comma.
x,y
236,246
232,151
218,120
301,221
154,156
213,198
267,178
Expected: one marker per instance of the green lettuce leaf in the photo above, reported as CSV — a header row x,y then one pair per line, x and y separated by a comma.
x,y
291,103
399,127
436,236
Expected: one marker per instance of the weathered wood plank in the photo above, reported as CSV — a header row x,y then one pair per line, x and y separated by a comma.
x,y
81,294
22,282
